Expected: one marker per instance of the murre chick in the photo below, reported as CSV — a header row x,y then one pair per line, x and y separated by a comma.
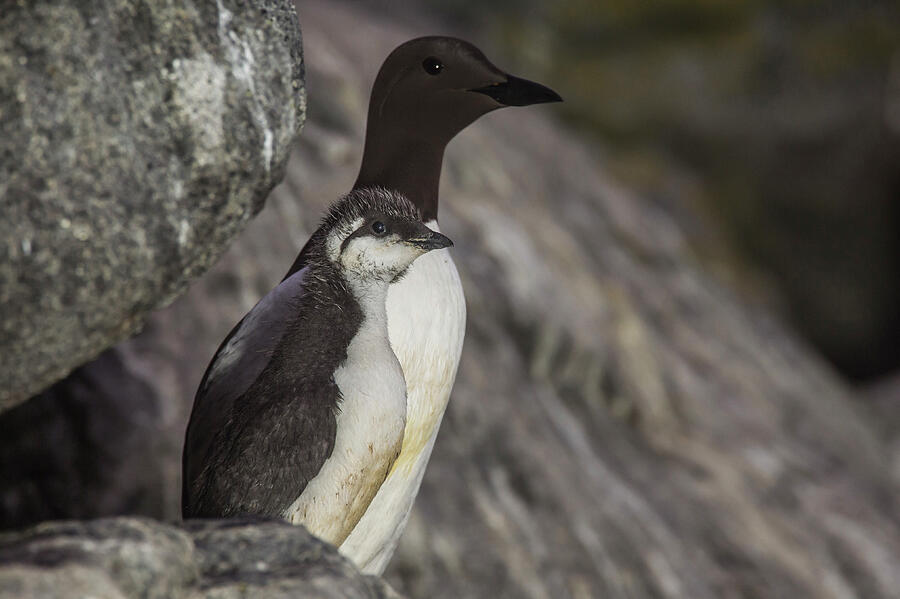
x,y
302,410
428,90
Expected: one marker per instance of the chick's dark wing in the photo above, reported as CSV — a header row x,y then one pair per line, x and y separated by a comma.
x,y
240,360
262,460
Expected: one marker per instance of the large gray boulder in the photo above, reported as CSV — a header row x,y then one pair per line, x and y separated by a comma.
x,y
136,139
138,558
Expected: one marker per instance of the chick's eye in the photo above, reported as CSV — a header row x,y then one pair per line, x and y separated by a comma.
x,y
378,227
432,65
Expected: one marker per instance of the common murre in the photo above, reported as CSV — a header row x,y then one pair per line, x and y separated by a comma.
x,y
302,410
428,90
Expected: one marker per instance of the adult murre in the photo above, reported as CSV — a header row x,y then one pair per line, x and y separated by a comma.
x,y
428,90
301,412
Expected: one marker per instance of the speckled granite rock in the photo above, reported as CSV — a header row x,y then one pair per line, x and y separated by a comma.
x,y
131,557
136,139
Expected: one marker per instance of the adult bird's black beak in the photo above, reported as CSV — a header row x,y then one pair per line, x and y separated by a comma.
x,y
430,240
516,91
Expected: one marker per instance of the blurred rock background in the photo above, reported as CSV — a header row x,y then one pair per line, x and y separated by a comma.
x,y
779,123
631,418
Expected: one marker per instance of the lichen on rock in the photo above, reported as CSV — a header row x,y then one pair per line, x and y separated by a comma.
x,y
136,140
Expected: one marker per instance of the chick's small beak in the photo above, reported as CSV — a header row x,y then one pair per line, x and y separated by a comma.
x,y
516,91
429,240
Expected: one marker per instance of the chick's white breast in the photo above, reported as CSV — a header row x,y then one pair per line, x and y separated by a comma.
x,y
426,325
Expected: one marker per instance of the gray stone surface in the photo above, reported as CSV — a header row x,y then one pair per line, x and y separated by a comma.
x,y
132,557
136,139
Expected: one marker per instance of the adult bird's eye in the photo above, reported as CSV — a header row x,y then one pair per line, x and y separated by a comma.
x,y
432,65
378,227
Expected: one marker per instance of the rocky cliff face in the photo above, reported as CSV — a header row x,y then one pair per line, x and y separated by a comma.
x,y
136,139
622,425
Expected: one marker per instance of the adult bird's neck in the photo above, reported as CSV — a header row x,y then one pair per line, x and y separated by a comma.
x,y
411,167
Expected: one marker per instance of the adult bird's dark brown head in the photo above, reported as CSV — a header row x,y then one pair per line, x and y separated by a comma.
x,y
428,90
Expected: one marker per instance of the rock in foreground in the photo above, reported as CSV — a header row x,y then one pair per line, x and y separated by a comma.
x,y
136,139
131,557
